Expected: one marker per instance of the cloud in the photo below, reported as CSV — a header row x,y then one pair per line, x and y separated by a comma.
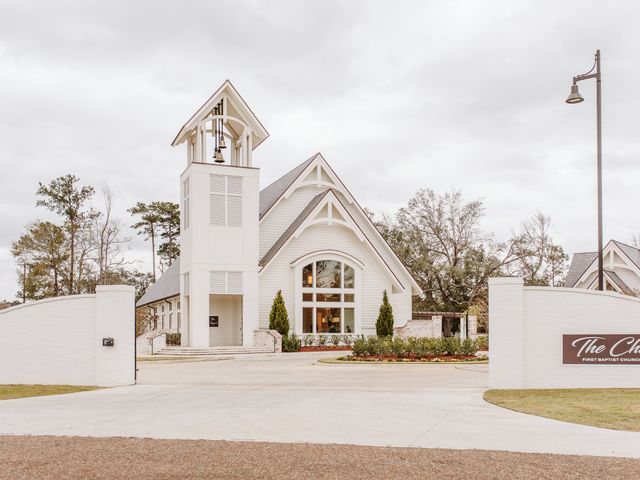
x,y
465,95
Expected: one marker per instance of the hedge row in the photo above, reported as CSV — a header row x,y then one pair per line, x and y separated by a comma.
x,y
413,347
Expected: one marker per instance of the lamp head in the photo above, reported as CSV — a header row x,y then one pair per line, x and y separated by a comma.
x,y
574,96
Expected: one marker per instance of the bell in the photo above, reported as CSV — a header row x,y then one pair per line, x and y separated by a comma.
x,y
217,156
221,143
574,96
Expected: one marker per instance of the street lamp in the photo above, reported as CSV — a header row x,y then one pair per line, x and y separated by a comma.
x,y
575,97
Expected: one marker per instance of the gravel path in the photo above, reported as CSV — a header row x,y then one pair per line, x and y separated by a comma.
x,y
41,457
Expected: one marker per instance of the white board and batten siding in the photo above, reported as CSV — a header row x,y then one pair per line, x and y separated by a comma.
x,y
374,280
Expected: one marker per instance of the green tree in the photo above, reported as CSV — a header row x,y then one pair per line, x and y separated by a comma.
x,y
384,323
438,237
64,197
278,317
169,249
148,226
159,220
42,255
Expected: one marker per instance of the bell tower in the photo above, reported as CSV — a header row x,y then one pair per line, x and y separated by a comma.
x,y
219,199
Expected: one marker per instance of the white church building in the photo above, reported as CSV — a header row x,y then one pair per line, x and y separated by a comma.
x,y
304,234
621,269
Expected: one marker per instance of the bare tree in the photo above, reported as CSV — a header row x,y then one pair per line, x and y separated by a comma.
x,y
107,230
539,260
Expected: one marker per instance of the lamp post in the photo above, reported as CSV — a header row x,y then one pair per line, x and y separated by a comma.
x,y
575,97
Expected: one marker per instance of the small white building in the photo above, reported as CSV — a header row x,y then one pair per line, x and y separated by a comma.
x,y
303,234
621,269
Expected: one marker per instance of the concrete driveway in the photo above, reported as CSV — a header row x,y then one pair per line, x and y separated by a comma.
x,y
292,398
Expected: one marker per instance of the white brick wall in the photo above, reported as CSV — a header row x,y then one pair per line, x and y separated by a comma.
x,y
526,328
59,340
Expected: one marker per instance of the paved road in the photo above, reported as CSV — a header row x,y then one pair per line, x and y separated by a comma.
x,y
292,398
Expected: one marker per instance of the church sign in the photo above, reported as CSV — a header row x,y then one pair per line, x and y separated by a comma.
x,y
601,349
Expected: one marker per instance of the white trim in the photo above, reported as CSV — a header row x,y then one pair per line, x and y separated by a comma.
x,y
326,252
227,91
607,250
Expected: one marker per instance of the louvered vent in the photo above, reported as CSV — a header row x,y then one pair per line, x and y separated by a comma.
x,y
218,282
234,211
234,185
225,200
216,183
217,210
234,282
226,282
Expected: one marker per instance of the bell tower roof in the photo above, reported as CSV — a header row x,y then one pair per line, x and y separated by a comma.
x,y
224,115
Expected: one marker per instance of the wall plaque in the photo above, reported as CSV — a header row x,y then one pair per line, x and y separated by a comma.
x,y
601,349
213,321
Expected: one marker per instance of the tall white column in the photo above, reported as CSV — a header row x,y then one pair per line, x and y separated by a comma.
x,y
506,329
199,308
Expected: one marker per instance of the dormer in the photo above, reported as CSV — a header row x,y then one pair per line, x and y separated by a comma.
x,y
224,130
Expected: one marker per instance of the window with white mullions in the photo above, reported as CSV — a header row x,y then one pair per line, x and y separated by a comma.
x,y
328,297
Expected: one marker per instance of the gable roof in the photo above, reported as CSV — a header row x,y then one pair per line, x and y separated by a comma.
x,y
631,252
275,248
579,264
271,193
259,132
305,214
167,286
615,278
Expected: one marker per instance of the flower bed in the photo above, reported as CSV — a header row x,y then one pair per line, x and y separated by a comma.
x,y
426,359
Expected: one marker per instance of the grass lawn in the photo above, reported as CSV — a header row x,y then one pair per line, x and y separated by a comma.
x,y
8,392
615,408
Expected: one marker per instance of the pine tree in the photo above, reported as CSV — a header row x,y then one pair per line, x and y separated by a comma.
x,y
279,318
384,323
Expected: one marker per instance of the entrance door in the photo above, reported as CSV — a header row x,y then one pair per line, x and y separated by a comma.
x,y
225,320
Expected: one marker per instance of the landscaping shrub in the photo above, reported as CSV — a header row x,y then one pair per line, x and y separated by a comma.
x,y
308,340
291,343
278,317
347,340
451,345
398,347
335,340
412,347
322,340
482,342
174,339
468,347
384,323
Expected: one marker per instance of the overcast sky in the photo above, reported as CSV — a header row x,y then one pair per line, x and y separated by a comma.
x,y
397,96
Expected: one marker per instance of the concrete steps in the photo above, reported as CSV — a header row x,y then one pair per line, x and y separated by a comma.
x,y
202,351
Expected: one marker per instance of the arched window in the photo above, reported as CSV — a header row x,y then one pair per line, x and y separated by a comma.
x,y
328,297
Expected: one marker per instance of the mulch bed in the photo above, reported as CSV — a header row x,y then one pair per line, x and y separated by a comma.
x,y
70,458
325,348
428,358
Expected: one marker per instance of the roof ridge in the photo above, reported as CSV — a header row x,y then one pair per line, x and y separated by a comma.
x,y
625,244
